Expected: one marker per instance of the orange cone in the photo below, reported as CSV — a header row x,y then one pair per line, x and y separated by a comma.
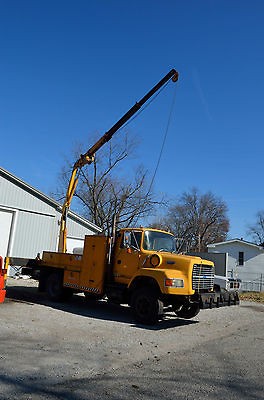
x,y
2,281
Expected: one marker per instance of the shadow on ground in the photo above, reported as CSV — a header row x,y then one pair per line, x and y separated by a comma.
x,y
79,305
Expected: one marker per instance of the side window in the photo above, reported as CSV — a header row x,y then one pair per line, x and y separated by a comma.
x,y
136,239
131,239
126,242
241,258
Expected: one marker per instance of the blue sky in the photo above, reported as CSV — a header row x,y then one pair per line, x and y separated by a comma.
x,y
71,69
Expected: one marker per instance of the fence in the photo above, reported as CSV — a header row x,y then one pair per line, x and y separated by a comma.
x,y
255,283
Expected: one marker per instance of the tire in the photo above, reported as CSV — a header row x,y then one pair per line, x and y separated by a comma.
x,y
147,307
92,297
67,294
188,311
54,287
113,300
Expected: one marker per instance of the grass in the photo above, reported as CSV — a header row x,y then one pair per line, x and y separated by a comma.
x,y
252,296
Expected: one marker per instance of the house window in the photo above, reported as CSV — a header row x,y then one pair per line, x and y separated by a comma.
x,y
241,258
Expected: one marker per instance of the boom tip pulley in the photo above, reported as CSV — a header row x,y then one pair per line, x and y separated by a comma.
x,y
175,76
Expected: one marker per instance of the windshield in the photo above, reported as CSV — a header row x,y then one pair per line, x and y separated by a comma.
x,y
159,241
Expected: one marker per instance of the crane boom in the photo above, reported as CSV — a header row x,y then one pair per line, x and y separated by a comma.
x,y
88,157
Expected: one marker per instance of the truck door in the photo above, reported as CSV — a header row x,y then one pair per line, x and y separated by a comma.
x,y
127,256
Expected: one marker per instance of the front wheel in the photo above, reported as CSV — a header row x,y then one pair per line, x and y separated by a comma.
x,y
188,311
146,306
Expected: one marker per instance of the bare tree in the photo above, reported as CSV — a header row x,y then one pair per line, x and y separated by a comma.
x,y
197,220
110,189
256,231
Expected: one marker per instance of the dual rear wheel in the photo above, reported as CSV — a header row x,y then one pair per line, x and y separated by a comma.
x,y
55,289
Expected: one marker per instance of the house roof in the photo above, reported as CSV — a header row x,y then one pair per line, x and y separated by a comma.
x,y
235,240
43,197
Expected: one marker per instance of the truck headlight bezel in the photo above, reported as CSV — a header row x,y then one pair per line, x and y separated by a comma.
x,y
155,260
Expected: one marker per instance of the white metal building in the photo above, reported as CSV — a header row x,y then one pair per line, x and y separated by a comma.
x,y
245,261
29,220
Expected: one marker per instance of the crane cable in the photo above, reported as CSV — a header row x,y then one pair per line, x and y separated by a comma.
x,y
163,143
165,134
162,147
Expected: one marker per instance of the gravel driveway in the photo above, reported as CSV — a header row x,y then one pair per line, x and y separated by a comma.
x,y
82,350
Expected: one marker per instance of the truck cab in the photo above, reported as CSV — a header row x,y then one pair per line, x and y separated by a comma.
x,y
145,266
151,253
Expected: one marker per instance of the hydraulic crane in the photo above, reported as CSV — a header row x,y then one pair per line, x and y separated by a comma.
x,y
88,157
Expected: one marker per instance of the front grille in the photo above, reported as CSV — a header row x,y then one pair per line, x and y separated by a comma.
x,y
202,277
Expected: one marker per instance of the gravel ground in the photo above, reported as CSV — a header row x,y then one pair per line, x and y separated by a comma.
x,y
82,350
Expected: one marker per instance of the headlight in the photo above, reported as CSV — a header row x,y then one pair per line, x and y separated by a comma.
x,y
173,282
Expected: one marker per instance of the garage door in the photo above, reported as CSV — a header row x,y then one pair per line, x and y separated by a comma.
x,y
6,218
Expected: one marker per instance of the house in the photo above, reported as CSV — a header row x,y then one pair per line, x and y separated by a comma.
x,y
30,220
245,261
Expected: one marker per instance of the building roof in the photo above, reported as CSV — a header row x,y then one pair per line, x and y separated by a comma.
x,y
235,240
43,197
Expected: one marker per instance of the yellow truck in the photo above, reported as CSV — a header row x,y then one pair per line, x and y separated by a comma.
x,y
135,266
139,267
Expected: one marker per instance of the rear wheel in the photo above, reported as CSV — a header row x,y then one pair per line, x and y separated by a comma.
x,y
113,300
146,306
92,297
188,311
55,289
